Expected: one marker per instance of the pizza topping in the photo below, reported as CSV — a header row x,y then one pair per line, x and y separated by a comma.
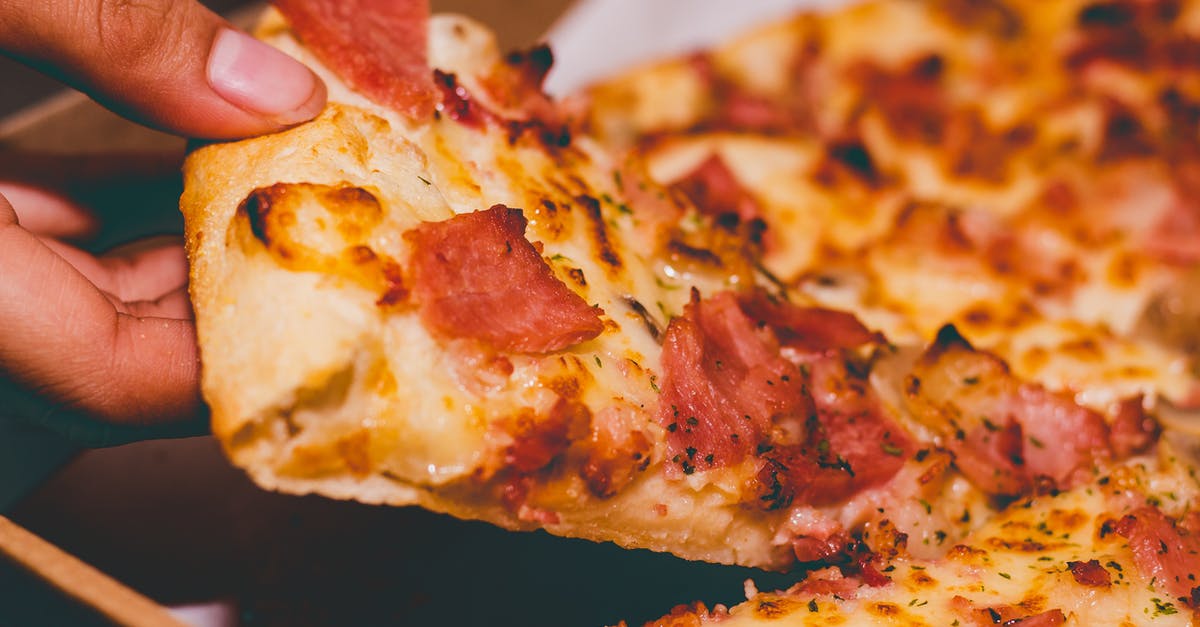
x,y
807,329
1007,436
1163,550
476,276
1090,573
724,383
377,46
848,444
617,450
537,440
1133,431
813,420
516,85
716,191
456,102
1004,614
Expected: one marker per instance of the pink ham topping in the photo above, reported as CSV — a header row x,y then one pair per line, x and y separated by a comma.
x,y
476,276
1167,552
724,384
730,394
716,191
1007,436
377,46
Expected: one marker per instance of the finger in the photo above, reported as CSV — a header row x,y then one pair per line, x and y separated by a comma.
x,y
60,336
144,270
173,304
169,63
48,214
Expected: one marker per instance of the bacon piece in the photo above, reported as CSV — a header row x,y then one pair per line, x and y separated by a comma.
x,y
1090,573
821,547
1176,238
476,276
1133,431
1167,552
842,587
911,100
1004,614
538,440
456,102
716,191
724,383
516,84
807,329
729,391
377,46
1005,434
849,444
617,450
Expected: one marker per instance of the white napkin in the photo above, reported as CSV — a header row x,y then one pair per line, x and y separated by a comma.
x,y
597,38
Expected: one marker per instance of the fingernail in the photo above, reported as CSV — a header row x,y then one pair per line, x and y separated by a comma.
x,y
263,80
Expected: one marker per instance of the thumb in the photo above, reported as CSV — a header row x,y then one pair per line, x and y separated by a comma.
x,y
171,64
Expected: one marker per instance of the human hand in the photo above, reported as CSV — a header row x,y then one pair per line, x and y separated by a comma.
x,y
110,336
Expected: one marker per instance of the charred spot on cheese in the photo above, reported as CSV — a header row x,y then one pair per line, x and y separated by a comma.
x,y
476,276
847,160
648,320
307,227
455,101
605,249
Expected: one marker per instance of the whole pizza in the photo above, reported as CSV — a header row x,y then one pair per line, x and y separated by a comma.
x,y
903,298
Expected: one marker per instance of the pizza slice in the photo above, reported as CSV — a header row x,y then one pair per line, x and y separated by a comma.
x,y
441,292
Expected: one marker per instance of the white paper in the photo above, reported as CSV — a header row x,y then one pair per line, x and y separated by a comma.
x,y
598,38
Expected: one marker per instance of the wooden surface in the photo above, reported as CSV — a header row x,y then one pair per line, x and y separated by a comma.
x,y
79,580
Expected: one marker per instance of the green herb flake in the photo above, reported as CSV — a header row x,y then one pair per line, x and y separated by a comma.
x,y
1163,608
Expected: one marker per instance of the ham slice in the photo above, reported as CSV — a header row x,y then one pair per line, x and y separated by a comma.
x,y
377,46
730,393
476,276
1007,436
716,191
1163,550
724,385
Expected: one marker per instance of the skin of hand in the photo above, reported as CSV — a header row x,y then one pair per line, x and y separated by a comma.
x,y
110,336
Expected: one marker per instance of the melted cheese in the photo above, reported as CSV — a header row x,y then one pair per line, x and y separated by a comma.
x,y
1021,558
